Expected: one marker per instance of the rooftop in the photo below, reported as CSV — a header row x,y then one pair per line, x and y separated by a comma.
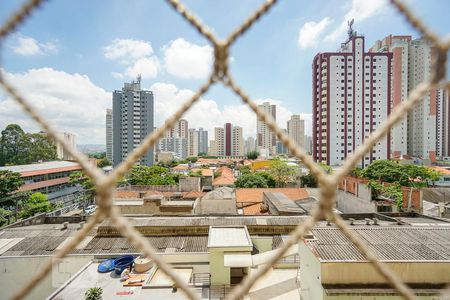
x,y
256,194
389,243
43,168
229,236
283,204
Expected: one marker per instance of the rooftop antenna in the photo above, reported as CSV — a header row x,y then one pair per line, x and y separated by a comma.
x,y
139,78
350,30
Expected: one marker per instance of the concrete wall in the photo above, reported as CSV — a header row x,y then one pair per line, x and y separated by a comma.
x,y
16,271
262,243
365,273
219,273
189,184
349,203
310,276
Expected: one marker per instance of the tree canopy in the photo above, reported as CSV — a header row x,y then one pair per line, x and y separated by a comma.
x,y
18,147
281,172
405,175
9,182
251,180
154,175
252,155
37,203
103,162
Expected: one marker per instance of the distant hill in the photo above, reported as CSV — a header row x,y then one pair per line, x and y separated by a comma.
x,y
89,148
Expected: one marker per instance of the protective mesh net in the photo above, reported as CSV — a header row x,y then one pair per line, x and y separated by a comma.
x,y
105,184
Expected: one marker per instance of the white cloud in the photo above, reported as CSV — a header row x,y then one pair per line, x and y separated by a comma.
x,y
207,114
127,49
136,55
28,46
311,32
71,102
187,60
359,10
148,67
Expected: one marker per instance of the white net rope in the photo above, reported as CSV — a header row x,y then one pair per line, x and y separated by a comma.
x,y
105,184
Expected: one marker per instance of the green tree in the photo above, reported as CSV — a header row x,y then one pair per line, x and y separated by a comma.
x,y
37,203
268,177
245,170
310,180
80,178
405,175
4,216
101,163
43,148
14,146
251,180
9,182
281,172
192,159
252,155
154,175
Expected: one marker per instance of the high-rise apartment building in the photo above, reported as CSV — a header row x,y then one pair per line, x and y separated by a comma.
x,y
176,145
182,128
109,134
442,123
219,141
296,130
62,153
193,142
265,139
351,98
228,138
411,63
202,141
132,121
249,145
237,143
228,141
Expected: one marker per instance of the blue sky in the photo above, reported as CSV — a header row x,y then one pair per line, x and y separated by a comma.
x,y
70,55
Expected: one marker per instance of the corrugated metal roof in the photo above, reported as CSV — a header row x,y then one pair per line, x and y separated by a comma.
x,y
99,245
387,243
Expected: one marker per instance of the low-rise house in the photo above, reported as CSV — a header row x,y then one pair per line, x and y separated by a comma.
x,y
249,200
226,178
220,201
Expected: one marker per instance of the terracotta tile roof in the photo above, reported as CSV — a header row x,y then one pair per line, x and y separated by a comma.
x,y
126,194
226,177
256,194
192,195
181,168
205,172
254,209
41,184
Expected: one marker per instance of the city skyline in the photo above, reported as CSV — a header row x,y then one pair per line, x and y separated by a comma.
x,y
78,74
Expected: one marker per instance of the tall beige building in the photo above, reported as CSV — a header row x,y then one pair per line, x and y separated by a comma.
x,y
193,140
228,141
296,130
69,138
265,139
411,63
442,123
237,147
179,130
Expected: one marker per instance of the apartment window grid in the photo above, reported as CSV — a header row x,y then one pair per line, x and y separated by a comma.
x,y
328,183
